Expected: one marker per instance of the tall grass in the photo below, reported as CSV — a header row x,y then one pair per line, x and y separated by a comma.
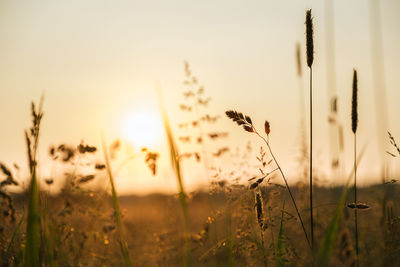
x,y
33,219
354,124
259,208
117,211
280,250
310,59
174,154
247,124
328,240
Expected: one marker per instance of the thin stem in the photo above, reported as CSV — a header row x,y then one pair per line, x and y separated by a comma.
x,y
355,194
117,210
287,186
311,184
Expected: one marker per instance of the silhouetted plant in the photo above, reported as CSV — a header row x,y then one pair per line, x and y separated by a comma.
x,y
247,124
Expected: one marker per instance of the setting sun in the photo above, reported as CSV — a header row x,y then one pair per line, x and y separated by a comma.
x,y
142,128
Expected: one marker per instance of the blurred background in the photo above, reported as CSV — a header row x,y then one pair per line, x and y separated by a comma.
x,y
98,64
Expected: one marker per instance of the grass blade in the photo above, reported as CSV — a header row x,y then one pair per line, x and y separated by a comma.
x,y
33,224
331,233
280,250
177,169
33,219
117,212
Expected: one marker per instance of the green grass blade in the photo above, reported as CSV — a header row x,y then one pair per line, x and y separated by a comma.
x,y
33,219
331,233
33,224
177,169
280,249
117,212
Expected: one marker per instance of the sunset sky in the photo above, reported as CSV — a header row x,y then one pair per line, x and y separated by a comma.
x,y
98,62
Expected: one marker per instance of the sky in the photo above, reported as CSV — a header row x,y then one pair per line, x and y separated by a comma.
x,y
98,62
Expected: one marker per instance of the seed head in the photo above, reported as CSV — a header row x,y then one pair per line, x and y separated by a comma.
x,y
267,127
309,38
259,210
354,113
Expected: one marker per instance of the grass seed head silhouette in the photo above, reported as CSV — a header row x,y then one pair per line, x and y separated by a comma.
x,y
309,38
354,102
267,128
241,119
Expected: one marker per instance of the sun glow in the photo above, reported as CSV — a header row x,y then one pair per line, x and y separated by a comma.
x,y
143,129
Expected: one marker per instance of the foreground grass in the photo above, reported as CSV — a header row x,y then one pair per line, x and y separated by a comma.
x,y
86,233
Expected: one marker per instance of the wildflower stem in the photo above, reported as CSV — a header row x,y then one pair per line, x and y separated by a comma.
x,y
355,194
117,210
311,177
287,186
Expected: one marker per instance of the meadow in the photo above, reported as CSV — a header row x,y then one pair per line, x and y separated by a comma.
x,y
263,221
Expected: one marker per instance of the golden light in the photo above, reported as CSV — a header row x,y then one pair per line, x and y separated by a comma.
x,y
143,129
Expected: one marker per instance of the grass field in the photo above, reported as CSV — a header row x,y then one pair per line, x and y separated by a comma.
x,y
82,229
238,219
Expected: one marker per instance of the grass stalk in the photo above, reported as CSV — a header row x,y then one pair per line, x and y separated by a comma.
x,y
354,124
247,124
117,212
33,220
289,191
259,207
33,224
280,251
329,238
173,149
355,194
311,156
310,59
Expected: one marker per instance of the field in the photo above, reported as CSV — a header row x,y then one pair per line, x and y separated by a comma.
x,y
68,210
83,230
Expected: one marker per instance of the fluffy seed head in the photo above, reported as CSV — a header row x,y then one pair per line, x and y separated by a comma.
x,y
309,38
354,113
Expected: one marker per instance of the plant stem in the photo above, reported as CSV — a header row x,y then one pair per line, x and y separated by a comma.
x,y
117,212
174,154
33,230
287,186
311,178
355,195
